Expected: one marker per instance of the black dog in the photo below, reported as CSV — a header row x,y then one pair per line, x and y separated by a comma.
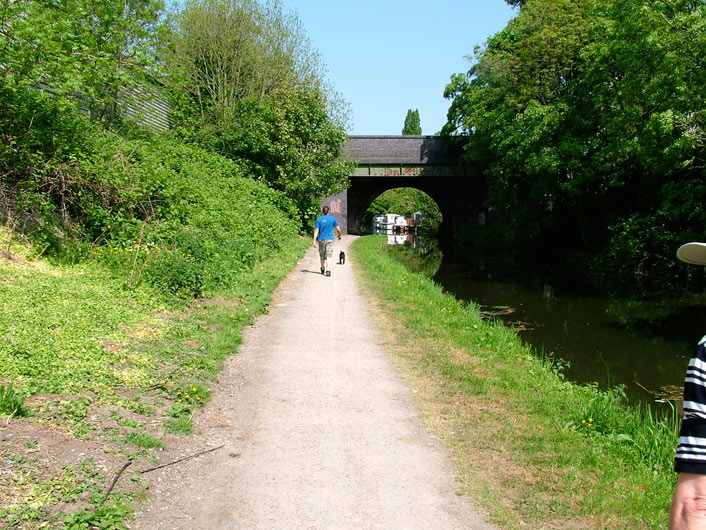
x,y
341,258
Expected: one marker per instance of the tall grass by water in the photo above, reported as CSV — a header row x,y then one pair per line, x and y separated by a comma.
x,y
536,448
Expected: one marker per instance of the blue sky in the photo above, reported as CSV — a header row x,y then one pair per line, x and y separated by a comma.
x,y
385,57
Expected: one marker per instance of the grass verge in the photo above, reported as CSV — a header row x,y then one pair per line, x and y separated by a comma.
x,y
530,447
94,375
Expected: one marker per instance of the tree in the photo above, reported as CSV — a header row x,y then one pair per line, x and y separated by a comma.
x,y
224,51
58,62
288,140
412,124
512,105
88,50
248,83
588,118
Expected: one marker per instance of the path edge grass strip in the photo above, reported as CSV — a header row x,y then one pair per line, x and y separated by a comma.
x,y
531,447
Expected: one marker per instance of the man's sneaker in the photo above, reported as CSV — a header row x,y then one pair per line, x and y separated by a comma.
x,y
328,273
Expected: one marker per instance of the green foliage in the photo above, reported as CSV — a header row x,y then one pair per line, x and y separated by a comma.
x,y
404,201
75,187
85,341
81,50
118,220
260,97
412,123
588,116
68,311
108,517
226,52
176,215
11,403
78,323
633,433
288,141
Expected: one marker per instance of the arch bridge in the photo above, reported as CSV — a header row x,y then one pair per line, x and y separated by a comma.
x,y
428,163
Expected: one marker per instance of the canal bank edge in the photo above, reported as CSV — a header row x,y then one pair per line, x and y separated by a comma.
x,y
531,448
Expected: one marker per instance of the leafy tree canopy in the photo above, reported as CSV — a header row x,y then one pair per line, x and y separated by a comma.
x,y
85,49
246,90
588,118
247,82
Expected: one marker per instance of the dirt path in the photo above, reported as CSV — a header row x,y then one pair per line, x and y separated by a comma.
x,y
319,430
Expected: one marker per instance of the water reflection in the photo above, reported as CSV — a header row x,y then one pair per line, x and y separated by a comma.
x,y
643,345
399,237
585,331
417,253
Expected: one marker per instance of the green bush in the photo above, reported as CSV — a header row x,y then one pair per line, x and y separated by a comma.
x,y
641,251
11,403
209,223
182,217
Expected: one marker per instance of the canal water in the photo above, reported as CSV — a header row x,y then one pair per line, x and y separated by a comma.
x,y
642,344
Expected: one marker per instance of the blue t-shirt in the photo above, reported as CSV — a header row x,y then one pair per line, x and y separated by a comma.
x,y
325,224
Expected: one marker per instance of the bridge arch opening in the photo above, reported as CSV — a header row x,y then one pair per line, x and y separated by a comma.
x,y
428,163
404,201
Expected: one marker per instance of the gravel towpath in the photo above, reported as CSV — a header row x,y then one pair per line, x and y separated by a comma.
x,y
319,430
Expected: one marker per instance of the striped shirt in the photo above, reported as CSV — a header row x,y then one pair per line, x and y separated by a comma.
x,y
691,451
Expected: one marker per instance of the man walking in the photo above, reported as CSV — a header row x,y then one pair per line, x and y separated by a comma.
x,y
323,234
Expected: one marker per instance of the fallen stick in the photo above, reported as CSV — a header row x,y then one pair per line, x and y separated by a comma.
x,y
115,480
643,388
7,420
182,459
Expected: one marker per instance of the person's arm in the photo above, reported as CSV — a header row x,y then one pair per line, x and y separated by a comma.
x,y
316,234
688,511
338,230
